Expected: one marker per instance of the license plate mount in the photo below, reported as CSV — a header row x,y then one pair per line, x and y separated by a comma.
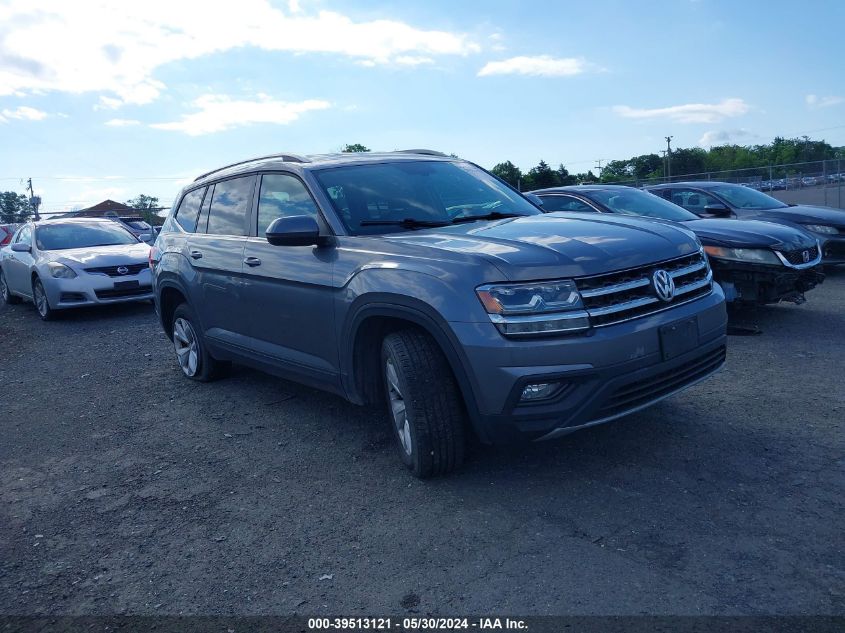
x,y
126,285
678,338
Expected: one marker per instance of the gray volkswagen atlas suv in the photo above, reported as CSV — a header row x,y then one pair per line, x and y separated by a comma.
x,y
421,282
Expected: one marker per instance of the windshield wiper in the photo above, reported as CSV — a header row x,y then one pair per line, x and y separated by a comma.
x,y
407,223
493,215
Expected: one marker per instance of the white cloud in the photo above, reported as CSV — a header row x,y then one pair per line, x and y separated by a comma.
x,y
688,113
122,122
24,113
219,112
114,48
539,65
726,137
814,101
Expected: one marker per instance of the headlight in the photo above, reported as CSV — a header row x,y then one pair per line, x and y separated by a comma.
x,y
60,271
751,255
822,228
543,307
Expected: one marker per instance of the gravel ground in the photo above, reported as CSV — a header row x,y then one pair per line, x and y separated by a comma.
x,y
127,489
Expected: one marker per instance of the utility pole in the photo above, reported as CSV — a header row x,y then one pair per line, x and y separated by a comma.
x,y
598,166
34,201
669,158
663,153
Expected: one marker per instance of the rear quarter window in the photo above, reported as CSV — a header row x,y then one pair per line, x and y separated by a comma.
x,y
189,209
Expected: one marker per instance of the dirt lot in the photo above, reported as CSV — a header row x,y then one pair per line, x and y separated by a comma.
x,y
128,489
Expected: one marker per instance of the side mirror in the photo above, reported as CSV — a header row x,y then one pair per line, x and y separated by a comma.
x,y
296,230
21,247
147,237
719,210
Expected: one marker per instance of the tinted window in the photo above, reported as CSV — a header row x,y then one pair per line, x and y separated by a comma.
x,y
186,214
282,196
229,206
430,191
747,198
694,201
635,202
564,203
56,237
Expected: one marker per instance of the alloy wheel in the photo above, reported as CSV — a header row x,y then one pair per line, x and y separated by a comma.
x,y
186,345
40,299
397,407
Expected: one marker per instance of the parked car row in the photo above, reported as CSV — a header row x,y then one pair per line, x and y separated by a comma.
x,y
422,283
753,261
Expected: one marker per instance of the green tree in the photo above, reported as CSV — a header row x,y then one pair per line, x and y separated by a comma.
x,y
354,147
143,201
14,207
564,178
508,172
541,177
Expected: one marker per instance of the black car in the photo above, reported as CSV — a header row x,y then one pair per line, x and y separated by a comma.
x,y
726,200
754,262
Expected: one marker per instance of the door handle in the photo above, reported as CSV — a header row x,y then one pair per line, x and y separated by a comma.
x,y
196,254
252,261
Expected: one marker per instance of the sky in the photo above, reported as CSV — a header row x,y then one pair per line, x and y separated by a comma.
x,y
113,99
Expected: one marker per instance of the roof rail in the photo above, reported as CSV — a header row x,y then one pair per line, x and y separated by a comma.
x,y
290,158
427,152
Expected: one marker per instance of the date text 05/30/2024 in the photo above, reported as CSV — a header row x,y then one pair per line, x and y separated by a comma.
x,y
415,624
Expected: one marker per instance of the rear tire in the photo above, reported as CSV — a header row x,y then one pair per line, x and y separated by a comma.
x,y
7,295
42,303
424,404
194,359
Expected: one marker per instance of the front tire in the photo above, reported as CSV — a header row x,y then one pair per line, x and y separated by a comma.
x,y
42,303
424,404
7,295
194,359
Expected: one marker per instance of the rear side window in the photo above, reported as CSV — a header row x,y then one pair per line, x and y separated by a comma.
x,y
282,196
186,214
564,203
230,206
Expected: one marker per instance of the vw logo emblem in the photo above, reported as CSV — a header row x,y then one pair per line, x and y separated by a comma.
x,y
805,256
122,270
664,285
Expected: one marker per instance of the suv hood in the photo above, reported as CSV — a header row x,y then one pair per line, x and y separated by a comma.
x,y
805,214
97,256
750,234
560,244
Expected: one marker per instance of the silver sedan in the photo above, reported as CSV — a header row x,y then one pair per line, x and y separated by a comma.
x,y
59,264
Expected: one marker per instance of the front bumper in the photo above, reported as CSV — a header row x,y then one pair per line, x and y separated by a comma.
x,y
604,374
763,283
94,289
833,248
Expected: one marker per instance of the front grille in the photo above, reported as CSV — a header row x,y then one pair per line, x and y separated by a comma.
x,y
796,258
638,393
629,294
117,293
111,271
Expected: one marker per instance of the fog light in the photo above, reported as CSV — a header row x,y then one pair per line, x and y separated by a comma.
x,y
539,391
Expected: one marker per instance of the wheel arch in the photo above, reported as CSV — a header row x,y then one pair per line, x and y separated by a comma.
x,y
370,319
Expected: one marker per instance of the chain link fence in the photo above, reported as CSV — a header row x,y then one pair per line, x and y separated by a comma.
x,y
815,183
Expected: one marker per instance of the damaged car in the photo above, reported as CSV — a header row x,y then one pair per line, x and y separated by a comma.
x,y
712,199
755,262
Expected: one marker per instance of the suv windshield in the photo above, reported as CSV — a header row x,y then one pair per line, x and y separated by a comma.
x,y
746,197
407,195
57,237
635,202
